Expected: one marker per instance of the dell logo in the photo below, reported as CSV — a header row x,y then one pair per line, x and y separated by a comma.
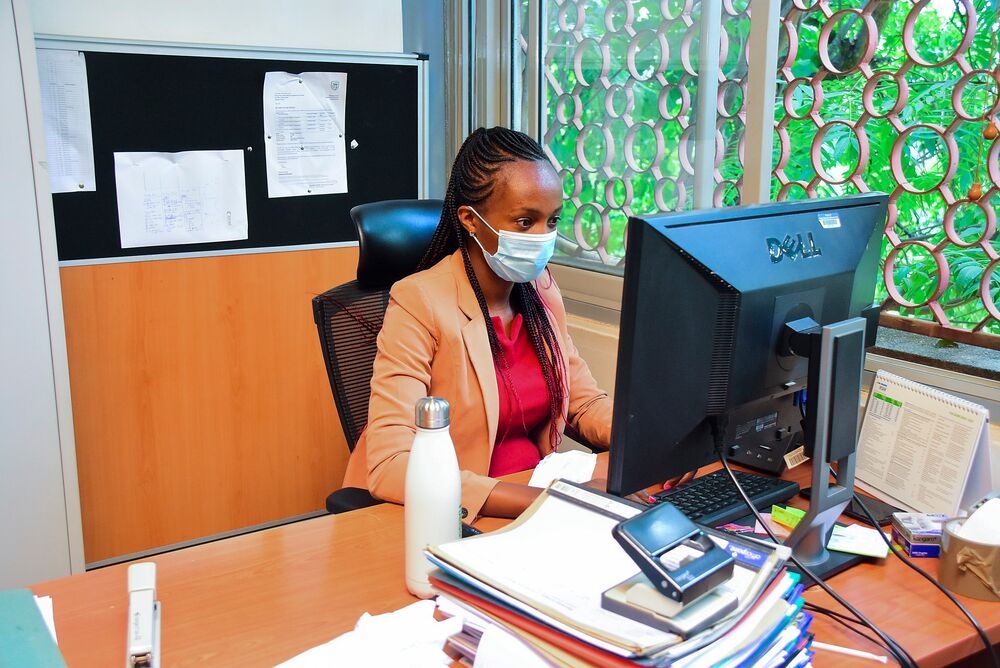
x,y
792,247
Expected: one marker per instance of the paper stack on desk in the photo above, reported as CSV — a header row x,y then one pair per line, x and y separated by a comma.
x,y
542,577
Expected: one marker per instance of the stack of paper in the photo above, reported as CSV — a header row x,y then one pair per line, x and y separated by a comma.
x,y
542,578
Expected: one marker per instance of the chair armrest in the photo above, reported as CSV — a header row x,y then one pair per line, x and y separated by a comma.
x,y
350,498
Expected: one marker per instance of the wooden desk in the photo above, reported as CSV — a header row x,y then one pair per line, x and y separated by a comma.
x,y
261,598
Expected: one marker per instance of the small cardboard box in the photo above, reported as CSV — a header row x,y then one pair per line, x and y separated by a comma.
x,y
919,527
918,534
915,550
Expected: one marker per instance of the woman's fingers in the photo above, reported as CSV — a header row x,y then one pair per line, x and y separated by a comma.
x,y
681,479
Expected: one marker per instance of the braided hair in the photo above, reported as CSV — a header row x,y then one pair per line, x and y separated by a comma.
x,y
473,177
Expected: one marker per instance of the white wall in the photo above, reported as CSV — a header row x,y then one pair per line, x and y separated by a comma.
x,y
598,345
338,25
40,530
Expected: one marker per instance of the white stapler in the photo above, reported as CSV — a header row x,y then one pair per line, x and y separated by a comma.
x,y
143,645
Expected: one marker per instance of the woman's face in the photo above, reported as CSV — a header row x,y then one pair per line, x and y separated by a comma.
x,y
527,197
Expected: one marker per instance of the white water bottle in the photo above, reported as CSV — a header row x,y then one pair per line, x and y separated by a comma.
x,y
433,495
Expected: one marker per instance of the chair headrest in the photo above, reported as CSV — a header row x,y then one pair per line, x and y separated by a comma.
x,y
393,236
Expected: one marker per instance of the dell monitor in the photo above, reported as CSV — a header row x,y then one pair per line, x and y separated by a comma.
x,y
727,315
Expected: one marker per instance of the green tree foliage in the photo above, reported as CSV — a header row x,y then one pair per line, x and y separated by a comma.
x,y
622,100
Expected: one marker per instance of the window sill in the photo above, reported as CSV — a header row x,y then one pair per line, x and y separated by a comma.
x,y
590,294
921,349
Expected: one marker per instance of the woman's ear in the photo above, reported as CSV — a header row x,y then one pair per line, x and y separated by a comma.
x,y
468,219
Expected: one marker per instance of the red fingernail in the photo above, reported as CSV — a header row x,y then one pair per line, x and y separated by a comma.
x,y
650,499
666,486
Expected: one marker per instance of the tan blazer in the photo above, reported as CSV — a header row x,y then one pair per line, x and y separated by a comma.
x,y
434,342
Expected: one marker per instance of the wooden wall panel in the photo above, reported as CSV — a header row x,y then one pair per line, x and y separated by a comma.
x,y
200,399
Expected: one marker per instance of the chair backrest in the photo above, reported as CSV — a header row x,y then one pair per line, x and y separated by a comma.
x,y
392,236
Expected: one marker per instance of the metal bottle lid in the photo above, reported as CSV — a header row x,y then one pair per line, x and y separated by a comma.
x,y
432,413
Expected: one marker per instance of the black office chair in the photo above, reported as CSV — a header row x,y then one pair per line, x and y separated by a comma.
x,y
392,236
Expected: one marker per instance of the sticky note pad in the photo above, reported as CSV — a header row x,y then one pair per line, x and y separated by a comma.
x,y
788,516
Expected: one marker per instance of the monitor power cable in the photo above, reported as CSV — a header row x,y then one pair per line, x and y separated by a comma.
x,y
899,554
847,622
898,652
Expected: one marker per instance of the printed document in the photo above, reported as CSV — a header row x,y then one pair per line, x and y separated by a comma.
x,y
69,143
304,133
180,198
921,449
547,558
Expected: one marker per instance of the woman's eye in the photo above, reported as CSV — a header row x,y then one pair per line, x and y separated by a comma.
x,y
554,222
525,223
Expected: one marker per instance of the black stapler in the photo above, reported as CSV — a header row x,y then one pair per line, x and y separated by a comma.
x,y
680,560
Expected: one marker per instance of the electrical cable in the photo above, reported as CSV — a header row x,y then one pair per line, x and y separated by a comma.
x,y
972,620
898,652
924,574
849,623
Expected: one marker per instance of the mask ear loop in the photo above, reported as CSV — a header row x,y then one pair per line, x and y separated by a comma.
x,y
485,222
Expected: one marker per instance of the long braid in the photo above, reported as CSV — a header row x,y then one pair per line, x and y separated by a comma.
x,y
472,180
543,340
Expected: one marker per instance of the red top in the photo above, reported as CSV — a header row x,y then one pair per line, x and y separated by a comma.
x,y
524,407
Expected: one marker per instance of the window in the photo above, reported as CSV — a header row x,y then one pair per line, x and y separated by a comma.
x,y
900,97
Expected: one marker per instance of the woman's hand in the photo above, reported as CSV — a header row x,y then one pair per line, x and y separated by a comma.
x,y
681,479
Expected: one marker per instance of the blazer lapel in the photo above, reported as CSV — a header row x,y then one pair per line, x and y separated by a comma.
x,y
478,347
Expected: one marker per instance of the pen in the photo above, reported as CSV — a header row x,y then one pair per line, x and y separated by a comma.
x,y
837,649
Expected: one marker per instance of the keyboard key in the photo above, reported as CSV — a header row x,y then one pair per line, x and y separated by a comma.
x,y
713,500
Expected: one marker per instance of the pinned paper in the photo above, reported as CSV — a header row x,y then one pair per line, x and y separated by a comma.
x,y
304,125
180,198
69,142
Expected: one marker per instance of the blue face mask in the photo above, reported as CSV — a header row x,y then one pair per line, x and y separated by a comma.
x,y
520,257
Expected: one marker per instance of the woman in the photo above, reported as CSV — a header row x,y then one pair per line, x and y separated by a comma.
x,y
483,326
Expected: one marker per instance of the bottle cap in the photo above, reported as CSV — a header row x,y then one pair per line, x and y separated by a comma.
x,y
432,413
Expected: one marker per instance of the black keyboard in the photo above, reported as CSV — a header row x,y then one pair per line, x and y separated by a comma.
x,y
713,500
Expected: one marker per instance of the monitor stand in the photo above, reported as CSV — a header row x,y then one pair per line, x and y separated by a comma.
x,y
836,358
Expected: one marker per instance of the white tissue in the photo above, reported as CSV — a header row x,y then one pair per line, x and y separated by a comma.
x,y
983,526
409,636
498,647
572,465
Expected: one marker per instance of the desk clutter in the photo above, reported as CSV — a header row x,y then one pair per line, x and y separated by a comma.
x,y
490,614
556,588
558,581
